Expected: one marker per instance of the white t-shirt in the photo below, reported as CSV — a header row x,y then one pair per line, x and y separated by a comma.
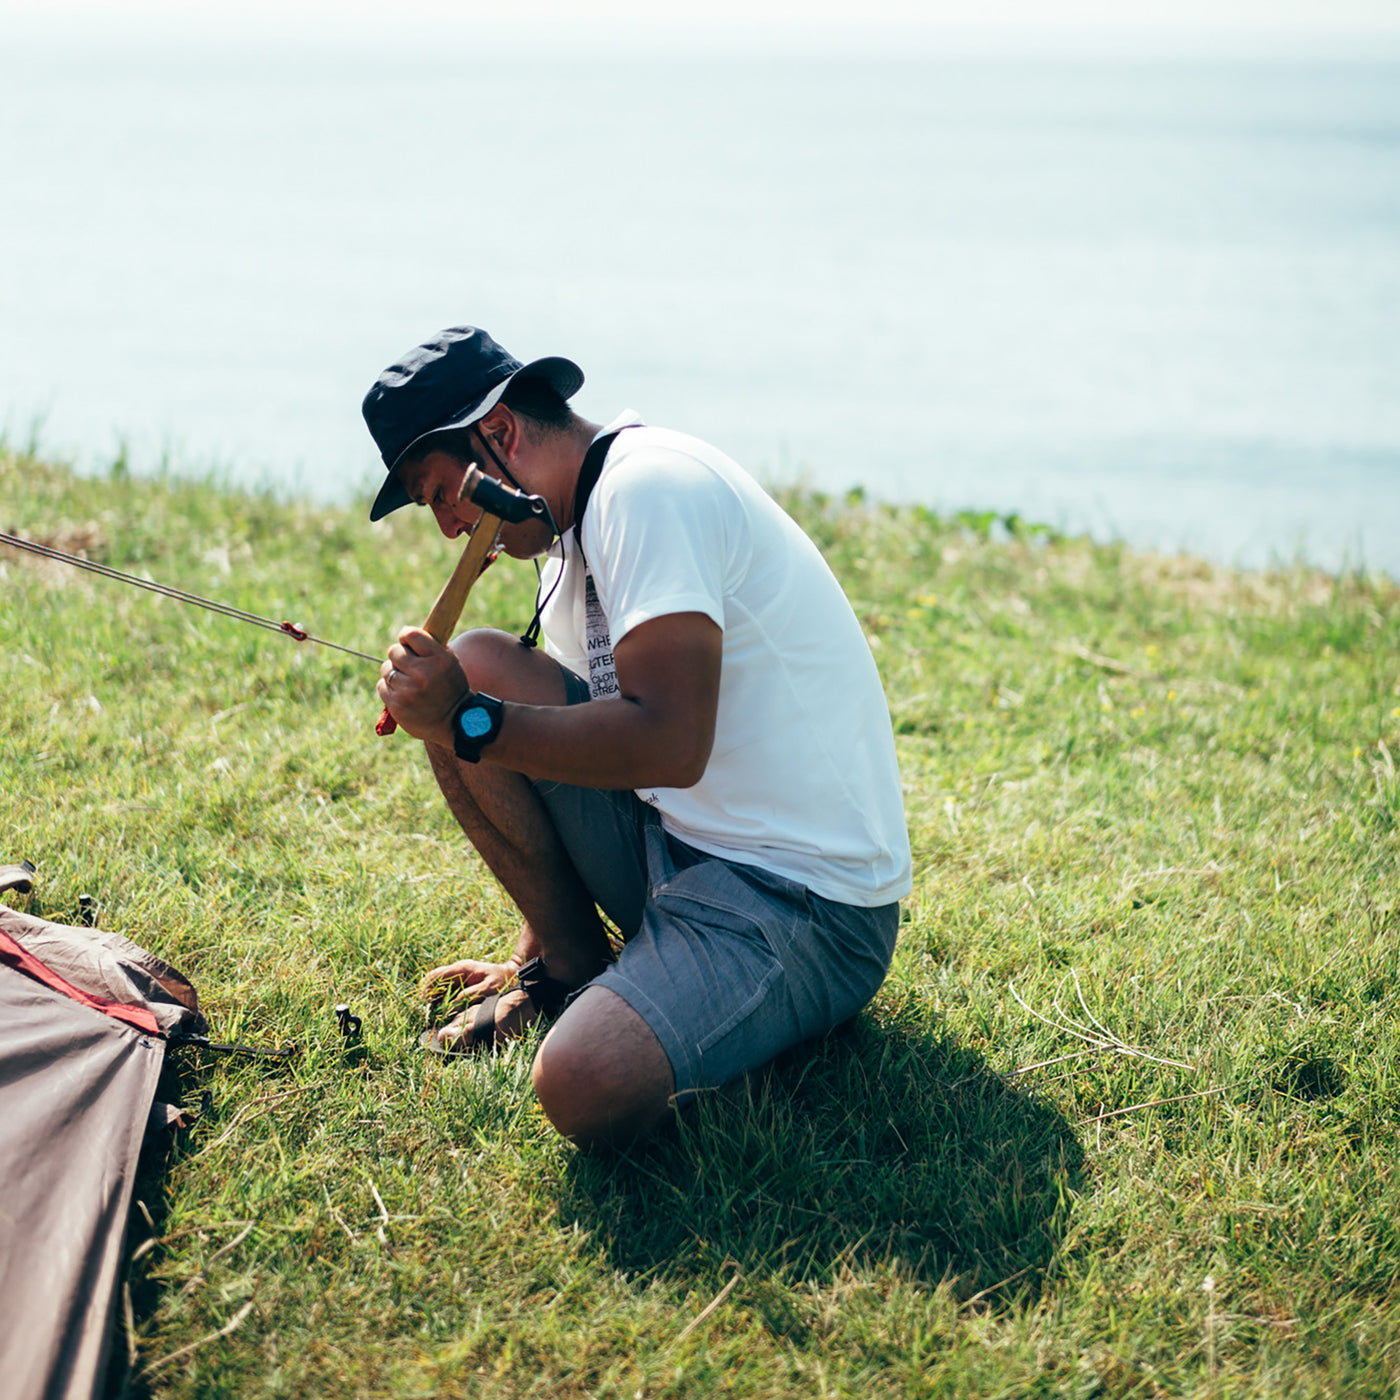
x,y
802,779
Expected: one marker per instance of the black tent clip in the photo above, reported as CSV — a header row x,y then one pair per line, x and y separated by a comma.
x,y
348,1022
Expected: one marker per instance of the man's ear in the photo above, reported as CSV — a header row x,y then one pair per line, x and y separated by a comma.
x,y
501,428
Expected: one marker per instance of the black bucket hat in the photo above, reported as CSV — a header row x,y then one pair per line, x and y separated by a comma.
x,y
447,382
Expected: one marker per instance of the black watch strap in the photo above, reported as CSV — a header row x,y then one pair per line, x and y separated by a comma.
x,y
475,722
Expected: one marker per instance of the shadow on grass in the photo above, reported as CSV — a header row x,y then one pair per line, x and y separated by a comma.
x,y
137,1292
878,1146
140,1289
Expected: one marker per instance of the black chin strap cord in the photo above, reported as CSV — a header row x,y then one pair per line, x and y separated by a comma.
x,y
588,475
530,637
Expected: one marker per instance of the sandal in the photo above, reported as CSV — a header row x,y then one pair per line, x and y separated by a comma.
x,y
478,1032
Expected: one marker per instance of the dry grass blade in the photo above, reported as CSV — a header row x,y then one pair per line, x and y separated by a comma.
x,y
383,1213
147,1245
709,1308
1001,1283
1084,1006
1105,1041
337,1217
1154,1103
1121,668
1107,663
230,1326
1056,1060
203,1274
1163,872
266,1101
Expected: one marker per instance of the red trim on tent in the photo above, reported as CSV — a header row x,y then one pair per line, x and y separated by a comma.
x,y
15,955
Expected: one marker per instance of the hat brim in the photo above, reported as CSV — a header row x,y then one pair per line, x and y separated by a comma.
x,y
562,375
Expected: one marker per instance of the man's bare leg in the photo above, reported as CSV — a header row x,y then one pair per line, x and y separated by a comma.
x,y
508,825
506,822
601,1074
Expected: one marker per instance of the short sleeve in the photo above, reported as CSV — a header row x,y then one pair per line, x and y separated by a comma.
x,y
663,534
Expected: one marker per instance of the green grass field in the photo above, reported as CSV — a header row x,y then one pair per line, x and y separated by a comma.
x,y
1122,1121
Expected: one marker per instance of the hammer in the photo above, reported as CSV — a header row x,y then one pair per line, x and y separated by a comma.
x,y
499,505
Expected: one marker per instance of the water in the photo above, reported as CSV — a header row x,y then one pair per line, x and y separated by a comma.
x,y
1156,299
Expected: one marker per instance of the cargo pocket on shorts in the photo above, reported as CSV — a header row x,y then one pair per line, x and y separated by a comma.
x,y
728,924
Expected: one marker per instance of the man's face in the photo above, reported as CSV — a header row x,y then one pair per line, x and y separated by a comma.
x,y
434,480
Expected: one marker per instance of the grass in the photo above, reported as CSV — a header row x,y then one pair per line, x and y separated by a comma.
x,y
1120,1123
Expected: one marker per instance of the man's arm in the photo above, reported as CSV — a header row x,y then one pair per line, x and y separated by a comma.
x,y
657,732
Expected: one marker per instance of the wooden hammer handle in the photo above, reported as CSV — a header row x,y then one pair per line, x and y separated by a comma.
x,y
453,598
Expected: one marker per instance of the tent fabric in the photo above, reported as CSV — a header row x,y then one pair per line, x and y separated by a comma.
x,y
14,955
109,967
77,1086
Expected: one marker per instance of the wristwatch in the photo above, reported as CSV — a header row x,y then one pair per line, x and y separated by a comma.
x,y
475,722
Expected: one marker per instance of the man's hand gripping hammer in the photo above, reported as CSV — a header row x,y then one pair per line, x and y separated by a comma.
x,y
500,505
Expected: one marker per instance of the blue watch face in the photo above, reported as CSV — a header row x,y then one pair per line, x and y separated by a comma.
x,y
474,722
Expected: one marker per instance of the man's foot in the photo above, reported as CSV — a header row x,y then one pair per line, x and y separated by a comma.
x,y
500,1017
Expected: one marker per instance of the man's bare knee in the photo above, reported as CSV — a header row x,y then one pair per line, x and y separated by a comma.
x,y
499,664
601,1074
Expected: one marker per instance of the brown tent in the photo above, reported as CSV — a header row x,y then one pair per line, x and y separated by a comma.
x,y
83,1016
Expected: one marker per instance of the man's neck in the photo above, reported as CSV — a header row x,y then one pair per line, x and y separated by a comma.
x,y
573,448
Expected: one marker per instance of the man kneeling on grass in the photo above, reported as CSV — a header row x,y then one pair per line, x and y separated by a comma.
x,y
703,750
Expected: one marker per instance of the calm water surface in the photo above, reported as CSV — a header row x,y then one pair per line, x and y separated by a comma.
x,y
1152,299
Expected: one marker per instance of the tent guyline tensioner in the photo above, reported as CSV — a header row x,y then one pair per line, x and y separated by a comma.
x,y
499,504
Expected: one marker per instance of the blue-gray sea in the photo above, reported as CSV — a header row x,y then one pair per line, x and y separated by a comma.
x,y
1150,297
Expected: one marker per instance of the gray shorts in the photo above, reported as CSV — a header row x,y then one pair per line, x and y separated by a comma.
x,y
727,963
